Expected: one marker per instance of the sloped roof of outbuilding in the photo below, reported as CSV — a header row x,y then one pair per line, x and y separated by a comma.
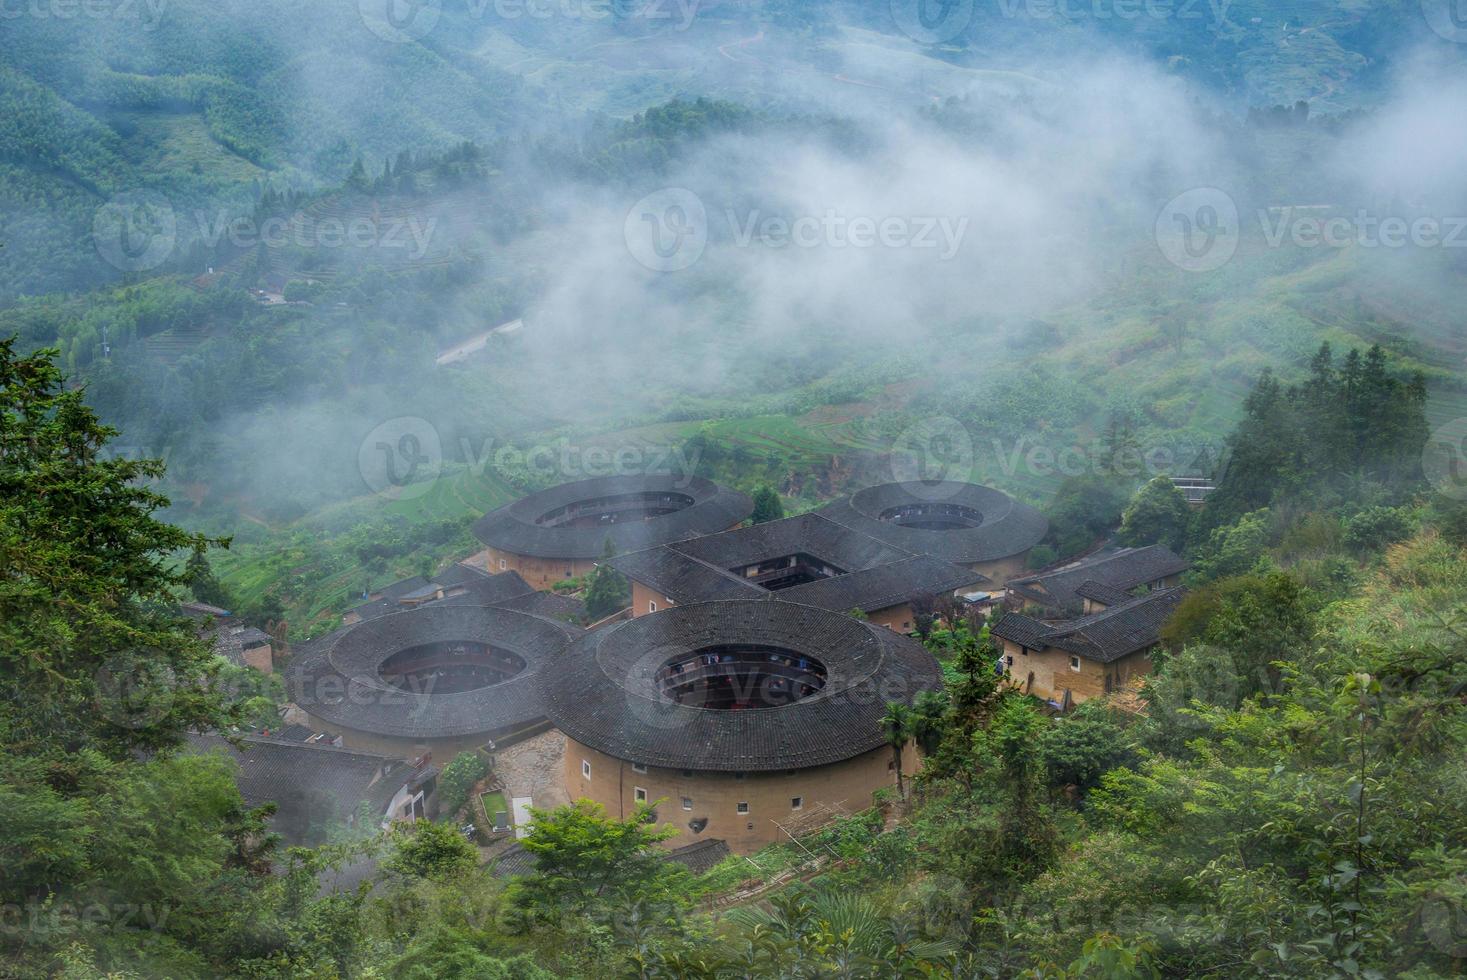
x,y
1121,570
1105,636
514,528
607,696
311,784
1007,527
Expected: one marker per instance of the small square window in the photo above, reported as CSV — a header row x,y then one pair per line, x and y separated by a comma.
x,y
687,802
638,767
503,564
585,769
639,794
1009,660
739,775
1075,663
743,807
651,605
687,774
797,803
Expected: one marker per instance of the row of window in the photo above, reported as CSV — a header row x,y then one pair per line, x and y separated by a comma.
x,y
640,795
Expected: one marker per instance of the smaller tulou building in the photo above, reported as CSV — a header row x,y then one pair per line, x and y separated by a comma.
x,y
979,527
437,679
561,532
744,717
807,559
1070,661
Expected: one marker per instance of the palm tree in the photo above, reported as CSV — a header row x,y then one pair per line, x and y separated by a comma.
x,y
929,720
896,725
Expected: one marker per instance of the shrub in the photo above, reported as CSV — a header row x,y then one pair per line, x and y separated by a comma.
x,y
457,779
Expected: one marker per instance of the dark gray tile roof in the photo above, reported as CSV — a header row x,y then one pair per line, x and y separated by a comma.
x,y
336,677
1105,636
872,589
311,785
231,638
809,534
682,578
606,696
465,584
1104,594
877,575
1007,526
514,528
1125,569
548,604
1022,630
701,856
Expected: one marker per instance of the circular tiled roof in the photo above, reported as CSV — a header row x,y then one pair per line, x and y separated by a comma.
x,y
339,680
515,527
606,694
1007,526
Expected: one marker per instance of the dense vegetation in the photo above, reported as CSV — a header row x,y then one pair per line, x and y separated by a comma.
x,y
1288,803
1285,797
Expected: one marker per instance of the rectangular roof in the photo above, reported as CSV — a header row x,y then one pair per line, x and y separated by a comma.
x,y
1118,570
1105,636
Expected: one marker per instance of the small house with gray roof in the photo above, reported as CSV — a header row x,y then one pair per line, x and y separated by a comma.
x,y
1070,661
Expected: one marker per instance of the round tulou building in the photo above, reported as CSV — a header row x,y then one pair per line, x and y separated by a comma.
x,y
978,527
747,718
438,679
561,532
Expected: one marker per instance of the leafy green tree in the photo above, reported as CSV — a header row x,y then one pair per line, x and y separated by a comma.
x,y
1249,622
1082,746
436,851
457,779
1376,527
446,953
584,858
608,590
1233,549
767,505
1084,509
1158,514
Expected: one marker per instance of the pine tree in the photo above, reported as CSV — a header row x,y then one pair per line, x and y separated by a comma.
x,y
608,591
767,506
